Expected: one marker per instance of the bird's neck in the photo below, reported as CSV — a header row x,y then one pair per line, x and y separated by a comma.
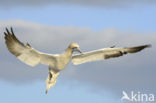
x,y
68,52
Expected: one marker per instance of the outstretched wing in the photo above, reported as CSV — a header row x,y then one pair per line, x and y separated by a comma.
x,y
25,53
105,53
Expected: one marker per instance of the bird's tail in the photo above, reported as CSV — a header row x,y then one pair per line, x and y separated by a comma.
x,y
51,80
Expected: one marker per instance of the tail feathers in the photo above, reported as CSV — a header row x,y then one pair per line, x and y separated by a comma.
x,y
46,91
51,80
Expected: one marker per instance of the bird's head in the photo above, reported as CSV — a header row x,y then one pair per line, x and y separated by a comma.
x,y
75,47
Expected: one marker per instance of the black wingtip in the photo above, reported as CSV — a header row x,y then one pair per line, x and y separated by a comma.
x,y
5,33
7,30
148,45
12,30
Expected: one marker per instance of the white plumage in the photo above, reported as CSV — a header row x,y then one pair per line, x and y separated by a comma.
x,y
58,62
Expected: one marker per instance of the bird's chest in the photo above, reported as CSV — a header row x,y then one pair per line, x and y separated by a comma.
x,y
62,62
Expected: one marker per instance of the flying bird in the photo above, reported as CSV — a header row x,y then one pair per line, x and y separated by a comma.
x,y
58,62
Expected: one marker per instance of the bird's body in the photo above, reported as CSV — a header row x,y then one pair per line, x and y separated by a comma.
x,y
58,62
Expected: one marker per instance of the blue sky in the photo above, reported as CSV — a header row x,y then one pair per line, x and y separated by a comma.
x,y
135,18
88,21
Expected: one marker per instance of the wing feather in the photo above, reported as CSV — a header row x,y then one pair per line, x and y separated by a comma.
x,y
25,53
105,53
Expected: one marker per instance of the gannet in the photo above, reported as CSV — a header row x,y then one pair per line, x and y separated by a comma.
x,y
58,62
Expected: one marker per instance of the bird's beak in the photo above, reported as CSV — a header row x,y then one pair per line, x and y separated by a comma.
x,y
78,50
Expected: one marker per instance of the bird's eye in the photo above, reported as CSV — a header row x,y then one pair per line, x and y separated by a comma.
x,y
74,48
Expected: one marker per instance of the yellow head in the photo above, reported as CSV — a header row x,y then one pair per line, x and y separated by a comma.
x,y
74,47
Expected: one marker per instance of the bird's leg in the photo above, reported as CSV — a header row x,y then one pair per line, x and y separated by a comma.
x,y
51,80
112,46
50,76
